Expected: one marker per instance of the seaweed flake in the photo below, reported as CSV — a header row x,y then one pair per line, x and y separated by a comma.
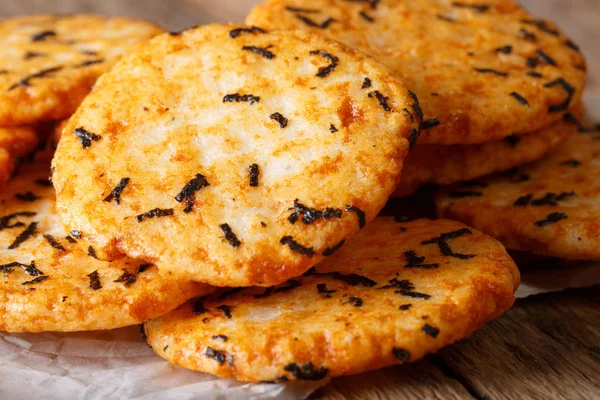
x,y
383,100
413,137
323,25
306,372
28,197
50,239
88,63
534,74
95,280
38,37
523,201
296,247
91,252
6,220
115,194
366,16
30,268
143,334
237,98
415,105
226,310
143,267
430,123
230,236
403,284
464,194
532,62
545,57
519,98
541,25
413,261
253,30
253,171
332,128
442,242
217,355
43,182
230,292
198,306
401,354
362,218
572,45
405,307
551,219
366,83
480,8
549,199
86,137
126,278
430,330
261,51
157,212
70,239
222,338
504,49
490,71
330,250
355,301
283,121
333,62
188,193
581,127
23,236
322,289
33,54
408,114
350,279
570,90
309,215
412,294
445,18
36,280
289,285
525,34
303,10
25,82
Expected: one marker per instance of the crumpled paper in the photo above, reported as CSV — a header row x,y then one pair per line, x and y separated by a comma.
x,y
117,364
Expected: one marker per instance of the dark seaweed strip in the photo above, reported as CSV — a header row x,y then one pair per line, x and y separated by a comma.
x,y
53,242
490,71
430,330
551,219
552,199
189,191
404,284
534,74
157,212
143,334
88,63
42,74
86,137
30,268
332,128
115,194
306,372
570,90
541,25
545,57
366,16
572,45
414,295
126,278
355,301
296,247
532,62
32,54
504,49
283,121
413,261
430,123
226,310
91,252
230,236
268,291
405,307
362,218
23,236
323,25
333,62
95,280
525,34
38,37
237,32
366,83
303,10
229,293
261,51
401,354
143,267
445,18
464,194
6,220
582,128
43,182
523,200
237,98
415,105
330,250
442,242
254,172
70,239
520,98
309,215
178,33
36,280
27,197
322,289
198,306
217,355
408,114
512,140
289,285
480,8
413,137
350,279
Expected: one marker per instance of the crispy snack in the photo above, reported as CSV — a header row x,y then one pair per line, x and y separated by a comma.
x,y
482,70
233,156
49,63
550,207
395,292
48,283
444,165
14,144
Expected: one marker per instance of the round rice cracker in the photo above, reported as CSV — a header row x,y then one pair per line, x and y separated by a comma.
x,y
48,283
550,207
49,63
444,165
14,144
484,70
233,156
395,292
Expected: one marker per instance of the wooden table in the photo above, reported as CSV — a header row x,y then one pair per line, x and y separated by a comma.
x,y
545,347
